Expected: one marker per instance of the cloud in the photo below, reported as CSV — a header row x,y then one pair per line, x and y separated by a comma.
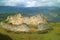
x,y
13,2
30,3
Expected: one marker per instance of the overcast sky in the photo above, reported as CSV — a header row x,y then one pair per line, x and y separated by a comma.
x,y
29,3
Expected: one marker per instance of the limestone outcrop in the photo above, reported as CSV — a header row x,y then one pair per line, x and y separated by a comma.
x,y
21,23
18,19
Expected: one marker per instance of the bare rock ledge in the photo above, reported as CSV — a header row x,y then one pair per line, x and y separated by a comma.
x,y
19,23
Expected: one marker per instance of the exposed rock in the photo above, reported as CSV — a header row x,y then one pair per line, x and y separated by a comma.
x,y
36,20
15,20
19,23
20,28
19,19
43,27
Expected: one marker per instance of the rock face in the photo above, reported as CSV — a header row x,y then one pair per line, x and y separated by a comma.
x,y
20,28
43,28
15,20
19,19
25,24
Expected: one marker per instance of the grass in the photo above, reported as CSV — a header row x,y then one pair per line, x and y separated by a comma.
x,y
52,35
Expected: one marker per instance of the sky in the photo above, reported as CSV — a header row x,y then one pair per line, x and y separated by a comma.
x,y
29,3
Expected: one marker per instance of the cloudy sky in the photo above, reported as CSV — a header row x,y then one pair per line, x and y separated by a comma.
x,y
29,3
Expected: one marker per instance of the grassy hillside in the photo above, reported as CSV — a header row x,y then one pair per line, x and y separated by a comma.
x,y
52,35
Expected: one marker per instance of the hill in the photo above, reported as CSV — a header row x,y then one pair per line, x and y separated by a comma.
x,y
52,13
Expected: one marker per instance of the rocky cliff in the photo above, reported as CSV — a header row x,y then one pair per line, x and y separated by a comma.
x,y
26,24
18,19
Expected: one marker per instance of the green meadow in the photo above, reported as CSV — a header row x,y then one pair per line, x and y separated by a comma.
x,y
52,35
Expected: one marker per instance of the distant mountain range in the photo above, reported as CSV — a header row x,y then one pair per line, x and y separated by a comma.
x,y
27,10
52,13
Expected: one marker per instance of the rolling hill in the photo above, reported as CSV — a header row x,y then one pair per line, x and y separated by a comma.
x,y
52,13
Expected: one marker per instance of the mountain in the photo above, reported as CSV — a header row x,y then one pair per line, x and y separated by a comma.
x,y
52,13
27,10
